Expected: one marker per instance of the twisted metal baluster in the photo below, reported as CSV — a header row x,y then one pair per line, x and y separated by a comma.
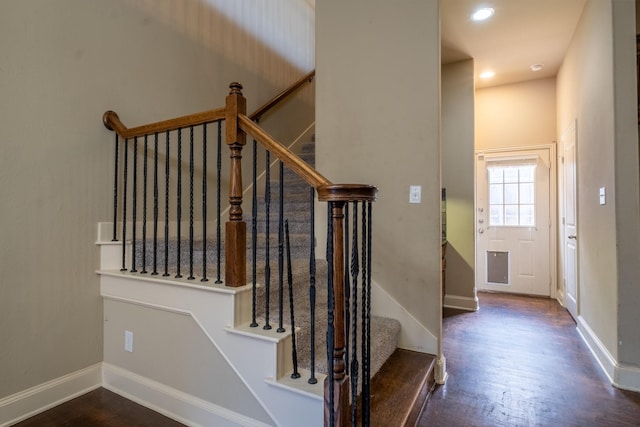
x,y
254,234
144,208
294,348
281,248
330,314
368,332
366,313
166,206
124,204
134,207
347,288
179,205
190,204
115,191
204,203
312,286
267,268
354,321
155,204
219,178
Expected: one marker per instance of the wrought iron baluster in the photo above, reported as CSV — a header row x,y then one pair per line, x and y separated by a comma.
x,y
312,286
354,309
190,204
219,178
281,248
347,287
366,310
330,314
115,190
254,234
155,204
204,203
166,205
124,204
179,206
144,207
294,348
134,205
368,332
267,267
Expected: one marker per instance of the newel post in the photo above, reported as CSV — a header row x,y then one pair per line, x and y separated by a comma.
x,y
236,228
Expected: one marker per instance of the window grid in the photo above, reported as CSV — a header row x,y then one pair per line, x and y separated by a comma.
x,y
512,195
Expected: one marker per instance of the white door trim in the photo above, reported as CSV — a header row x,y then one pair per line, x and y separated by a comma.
x,y
553,206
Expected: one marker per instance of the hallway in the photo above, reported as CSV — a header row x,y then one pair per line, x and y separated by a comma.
x,y
519,361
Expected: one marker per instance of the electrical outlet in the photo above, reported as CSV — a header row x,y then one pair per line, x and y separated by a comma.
x,y
128,341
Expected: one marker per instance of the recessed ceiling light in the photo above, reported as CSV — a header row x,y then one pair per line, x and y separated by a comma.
x,y
537,67
487,75
482,14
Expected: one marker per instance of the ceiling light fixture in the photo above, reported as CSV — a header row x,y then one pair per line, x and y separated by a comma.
x,y
537,67
482,14
487,75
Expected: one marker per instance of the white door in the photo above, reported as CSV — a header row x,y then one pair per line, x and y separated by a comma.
x,y
513,221
570,236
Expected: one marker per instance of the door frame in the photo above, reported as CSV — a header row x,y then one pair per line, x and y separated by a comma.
x,y
553,206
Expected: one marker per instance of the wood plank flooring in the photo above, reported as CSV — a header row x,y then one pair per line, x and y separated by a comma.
x,y
99,408
519,361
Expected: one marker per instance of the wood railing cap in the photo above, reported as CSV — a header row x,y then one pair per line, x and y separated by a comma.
x,y
347,193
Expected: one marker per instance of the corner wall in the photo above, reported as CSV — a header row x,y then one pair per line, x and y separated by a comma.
x,y
596,86
458,178
378,122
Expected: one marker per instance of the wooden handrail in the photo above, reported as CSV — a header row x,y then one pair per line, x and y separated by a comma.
x,y
256,115
295,163
112,122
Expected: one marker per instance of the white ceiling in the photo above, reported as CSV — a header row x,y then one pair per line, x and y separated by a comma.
x,y
520,33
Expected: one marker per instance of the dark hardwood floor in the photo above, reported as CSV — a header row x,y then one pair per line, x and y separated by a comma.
x,y
519,361
99,408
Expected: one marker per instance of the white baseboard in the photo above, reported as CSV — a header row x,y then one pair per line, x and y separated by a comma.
x,y
622,376
35,400
413,334
175,404
461,303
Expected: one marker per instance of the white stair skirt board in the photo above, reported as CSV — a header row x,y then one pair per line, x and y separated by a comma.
x,y
461,303
214,311
413,335
35,400
621,376
182,407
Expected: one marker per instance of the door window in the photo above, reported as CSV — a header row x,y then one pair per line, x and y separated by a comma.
x,y
512,195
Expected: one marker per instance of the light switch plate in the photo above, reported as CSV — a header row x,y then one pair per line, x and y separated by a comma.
x,y
602,195
415,194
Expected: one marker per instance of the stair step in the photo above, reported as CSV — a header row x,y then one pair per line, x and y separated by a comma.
x,y
401,389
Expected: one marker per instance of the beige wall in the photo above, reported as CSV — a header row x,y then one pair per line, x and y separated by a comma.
x,y
458,175
378,122
62,65
516,115
596,87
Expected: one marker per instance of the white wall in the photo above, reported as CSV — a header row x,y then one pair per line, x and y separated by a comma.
x,y
62,65
378,122
458,179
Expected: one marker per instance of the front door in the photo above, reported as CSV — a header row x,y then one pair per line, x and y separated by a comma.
x,y
513,221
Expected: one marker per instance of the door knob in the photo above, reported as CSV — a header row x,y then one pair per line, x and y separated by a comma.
x,y
480,230
572,236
